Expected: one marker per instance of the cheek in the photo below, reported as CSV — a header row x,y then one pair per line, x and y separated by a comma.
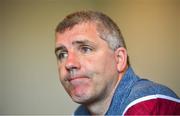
x,y
110,65
62,74
103,63
61,71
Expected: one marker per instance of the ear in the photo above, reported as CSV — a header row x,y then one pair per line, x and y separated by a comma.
x,y
121,59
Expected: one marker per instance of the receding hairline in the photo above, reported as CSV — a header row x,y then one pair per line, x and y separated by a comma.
x,y
105,26
89,22
83,16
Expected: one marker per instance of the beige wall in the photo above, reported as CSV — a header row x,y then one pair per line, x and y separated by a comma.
x,y
29,81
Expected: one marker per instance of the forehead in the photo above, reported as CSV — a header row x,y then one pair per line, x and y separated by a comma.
x,y
78,32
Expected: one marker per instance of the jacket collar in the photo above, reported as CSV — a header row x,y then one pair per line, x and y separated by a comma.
x,y
122,91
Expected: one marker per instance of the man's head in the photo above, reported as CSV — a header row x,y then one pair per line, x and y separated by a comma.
x,y
106,27
91,56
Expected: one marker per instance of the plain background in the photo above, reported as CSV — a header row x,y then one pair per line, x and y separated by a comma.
x,y
29,82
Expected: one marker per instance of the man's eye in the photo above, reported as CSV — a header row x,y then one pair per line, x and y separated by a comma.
x,y
62,55
86,49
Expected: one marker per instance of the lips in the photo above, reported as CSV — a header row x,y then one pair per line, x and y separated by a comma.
x,y
78,80
76,77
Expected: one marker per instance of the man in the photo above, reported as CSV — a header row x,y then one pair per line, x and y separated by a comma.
x,y
95,71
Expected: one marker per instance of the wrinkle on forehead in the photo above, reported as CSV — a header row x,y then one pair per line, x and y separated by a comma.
x,y
83,29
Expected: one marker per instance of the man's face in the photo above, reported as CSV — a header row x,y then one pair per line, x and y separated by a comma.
x,y
86,64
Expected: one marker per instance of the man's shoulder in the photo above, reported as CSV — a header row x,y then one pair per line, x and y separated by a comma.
x,y
147,97
144,87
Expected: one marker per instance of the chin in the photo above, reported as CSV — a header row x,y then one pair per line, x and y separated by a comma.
x,y
83,99
79,99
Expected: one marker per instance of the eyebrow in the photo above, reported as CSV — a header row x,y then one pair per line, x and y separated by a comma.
x,y
61,47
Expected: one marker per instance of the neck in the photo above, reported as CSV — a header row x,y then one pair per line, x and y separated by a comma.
x,y
101,106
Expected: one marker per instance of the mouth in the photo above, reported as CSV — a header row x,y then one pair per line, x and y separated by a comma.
x,y
77,78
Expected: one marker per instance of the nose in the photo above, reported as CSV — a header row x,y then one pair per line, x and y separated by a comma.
x,y
72,62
